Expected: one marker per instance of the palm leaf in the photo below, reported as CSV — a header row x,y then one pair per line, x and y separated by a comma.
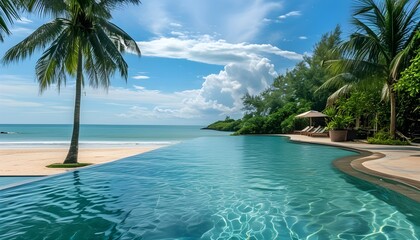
x,y
50,66
122,40
37,40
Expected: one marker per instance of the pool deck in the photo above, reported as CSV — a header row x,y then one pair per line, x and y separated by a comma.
x,y
398,164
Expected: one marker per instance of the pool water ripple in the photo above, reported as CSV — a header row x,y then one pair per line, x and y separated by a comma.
x,y
209,188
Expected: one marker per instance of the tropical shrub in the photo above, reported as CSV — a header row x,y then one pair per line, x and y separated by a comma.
x,y
385,138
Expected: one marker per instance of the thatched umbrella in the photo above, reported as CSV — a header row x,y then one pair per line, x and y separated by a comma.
x,y
311,114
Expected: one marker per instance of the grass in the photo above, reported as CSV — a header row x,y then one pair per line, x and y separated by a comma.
x,y
68,165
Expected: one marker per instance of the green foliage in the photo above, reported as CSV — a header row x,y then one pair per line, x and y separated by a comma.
x,y
380,48
228,125
339,122
385,138
289,124
254,125
410,77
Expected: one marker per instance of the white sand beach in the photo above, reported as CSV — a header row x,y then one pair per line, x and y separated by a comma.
x,y
33,161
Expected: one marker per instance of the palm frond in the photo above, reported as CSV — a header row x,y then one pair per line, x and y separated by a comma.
x,y
344,90
123,41
50,68
113,52
99,64
8,12
45,7
385,92
37,40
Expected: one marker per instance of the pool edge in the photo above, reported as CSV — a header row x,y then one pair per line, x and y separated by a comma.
x,y
352,166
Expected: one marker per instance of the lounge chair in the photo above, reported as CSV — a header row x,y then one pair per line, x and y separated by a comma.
x,y
303,130
307,130
323,132
313,130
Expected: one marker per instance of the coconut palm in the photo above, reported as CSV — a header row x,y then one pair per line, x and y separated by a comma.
x,y
380,48
80,42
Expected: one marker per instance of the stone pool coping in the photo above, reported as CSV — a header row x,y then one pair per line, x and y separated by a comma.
x,y
376,164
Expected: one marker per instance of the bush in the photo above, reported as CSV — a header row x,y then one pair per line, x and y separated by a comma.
x,y
254,125
384,138
229,125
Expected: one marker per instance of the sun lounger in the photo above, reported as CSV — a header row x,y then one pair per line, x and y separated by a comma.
x,y
313,130
307,130
303,130
323,132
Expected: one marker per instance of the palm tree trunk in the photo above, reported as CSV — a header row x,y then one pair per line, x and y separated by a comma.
x,y
72,155
393,117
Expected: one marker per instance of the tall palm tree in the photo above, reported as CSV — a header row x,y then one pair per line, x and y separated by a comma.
x,y
380,48
8,13
82,43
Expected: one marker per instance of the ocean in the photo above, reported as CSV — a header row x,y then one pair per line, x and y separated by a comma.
x,y
58,135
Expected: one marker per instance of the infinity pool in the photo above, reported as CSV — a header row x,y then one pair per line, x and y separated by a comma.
x,y
210,188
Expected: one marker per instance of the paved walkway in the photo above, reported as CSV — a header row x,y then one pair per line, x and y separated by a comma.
x,y
400,163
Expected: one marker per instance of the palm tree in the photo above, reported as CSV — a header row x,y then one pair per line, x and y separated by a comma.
x,y
82,43
380,48
8,13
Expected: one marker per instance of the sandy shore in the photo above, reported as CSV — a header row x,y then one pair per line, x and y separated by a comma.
x,y
32,161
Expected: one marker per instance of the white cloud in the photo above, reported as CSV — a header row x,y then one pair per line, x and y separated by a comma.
x,y
140,77
290,14
205,49
233,20
303,37
220,94
24,20
175,25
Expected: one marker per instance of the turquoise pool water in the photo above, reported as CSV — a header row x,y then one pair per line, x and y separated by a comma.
x,y
10,181
210,188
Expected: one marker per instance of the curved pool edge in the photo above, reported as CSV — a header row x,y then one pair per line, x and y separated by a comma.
x,y
353,166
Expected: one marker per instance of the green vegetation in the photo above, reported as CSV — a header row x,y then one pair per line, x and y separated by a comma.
x,y
80,42
68,165
410,77
380,48
369,82
229,125
386,139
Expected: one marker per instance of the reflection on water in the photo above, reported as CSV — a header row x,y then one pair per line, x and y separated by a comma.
x,y
208,188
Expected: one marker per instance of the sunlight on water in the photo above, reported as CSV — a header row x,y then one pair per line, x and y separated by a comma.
x,y
209,188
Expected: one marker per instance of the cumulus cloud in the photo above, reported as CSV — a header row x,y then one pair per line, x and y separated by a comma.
x,y
205,49
220,94
290,14
246,70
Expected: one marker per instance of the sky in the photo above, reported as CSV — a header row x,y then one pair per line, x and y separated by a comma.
x,y
199,58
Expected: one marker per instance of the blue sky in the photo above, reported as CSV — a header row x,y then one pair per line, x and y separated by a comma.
x,y
198,59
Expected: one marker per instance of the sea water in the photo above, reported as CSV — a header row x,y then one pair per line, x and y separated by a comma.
x,y
15,136
220,187
36,135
